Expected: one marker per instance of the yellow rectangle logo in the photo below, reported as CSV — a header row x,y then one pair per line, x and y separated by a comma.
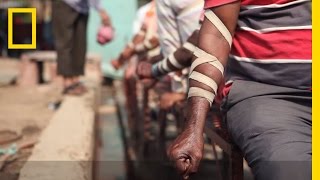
x,y
33,12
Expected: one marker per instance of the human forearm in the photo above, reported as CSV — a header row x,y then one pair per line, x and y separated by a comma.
x,y
147,44
206,76
129,50
197,110
179,60
206,73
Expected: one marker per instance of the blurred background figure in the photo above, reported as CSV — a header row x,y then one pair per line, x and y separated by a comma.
x,y
177,21
70,18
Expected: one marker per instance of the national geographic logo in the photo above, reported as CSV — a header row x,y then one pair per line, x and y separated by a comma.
x,y
33,12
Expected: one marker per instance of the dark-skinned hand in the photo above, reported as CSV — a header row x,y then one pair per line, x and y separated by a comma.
x,y
144,70
115,64
186,152
105,18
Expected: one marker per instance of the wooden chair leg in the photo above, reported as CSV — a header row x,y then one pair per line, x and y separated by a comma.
x,y
219,169
162,132
146,124
236,163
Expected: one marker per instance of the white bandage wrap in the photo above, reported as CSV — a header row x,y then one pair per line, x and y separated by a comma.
x,y
214,19
164,65
140,48
148,44
174,62
198,92
204,80
190,47
202,58
141,33
159,65
154,52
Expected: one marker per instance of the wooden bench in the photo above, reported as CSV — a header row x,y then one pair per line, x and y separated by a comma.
x,y
33,67
217,132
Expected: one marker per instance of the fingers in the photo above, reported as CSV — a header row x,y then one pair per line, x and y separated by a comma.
x,y
188,169
115,64
186,163
144,70
181,160
195,165
189,166
183,166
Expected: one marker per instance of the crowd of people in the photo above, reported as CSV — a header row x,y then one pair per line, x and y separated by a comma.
x,y
251,58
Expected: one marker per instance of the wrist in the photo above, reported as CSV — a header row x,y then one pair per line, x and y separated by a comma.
x,y
196,129
155,72
102,12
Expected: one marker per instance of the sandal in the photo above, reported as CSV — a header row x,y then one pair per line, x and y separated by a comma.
x,y
76,89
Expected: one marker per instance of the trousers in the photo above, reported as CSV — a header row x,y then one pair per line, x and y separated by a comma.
x,y
70,31
272,126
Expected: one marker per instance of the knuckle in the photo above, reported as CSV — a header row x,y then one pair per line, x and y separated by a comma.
x,y
197,155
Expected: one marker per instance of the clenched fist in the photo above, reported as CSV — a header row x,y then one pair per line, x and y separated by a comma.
x,y
186,152
144,70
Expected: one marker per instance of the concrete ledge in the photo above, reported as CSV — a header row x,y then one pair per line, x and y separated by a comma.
x,y
65,148
8,71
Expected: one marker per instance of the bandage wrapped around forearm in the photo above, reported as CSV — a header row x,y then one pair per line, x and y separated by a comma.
x,y
145,46
154,52
131,44
162,67
206,58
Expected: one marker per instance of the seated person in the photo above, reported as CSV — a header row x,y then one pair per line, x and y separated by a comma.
x,y
267,98
139,45
176,61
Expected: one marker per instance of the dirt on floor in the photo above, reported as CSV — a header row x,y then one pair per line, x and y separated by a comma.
x,y
24,113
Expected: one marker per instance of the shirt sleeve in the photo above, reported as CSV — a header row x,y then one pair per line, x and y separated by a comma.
x,y
96,4
215,3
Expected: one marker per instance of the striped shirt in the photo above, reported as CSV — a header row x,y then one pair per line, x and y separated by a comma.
x,y
272,43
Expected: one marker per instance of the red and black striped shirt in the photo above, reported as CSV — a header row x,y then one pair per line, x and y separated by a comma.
x,y
272,43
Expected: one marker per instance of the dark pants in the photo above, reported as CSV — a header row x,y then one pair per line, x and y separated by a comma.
x,y
70,30
272,126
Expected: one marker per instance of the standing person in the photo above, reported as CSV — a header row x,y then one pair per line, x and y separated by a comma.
x,y
266,47
70,19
